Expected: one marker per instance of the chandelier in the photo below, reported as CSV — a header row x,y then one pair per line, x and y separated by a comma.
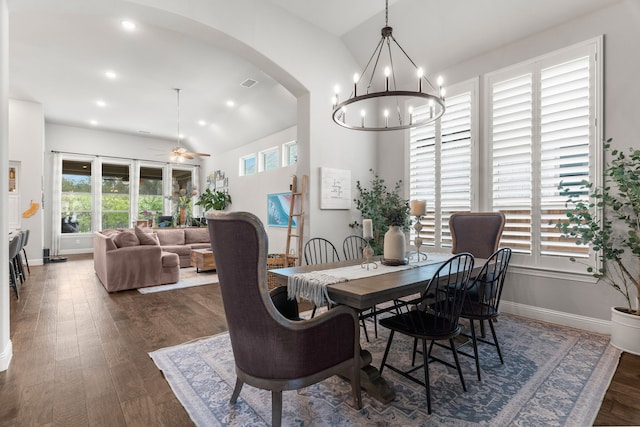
x,y
377,104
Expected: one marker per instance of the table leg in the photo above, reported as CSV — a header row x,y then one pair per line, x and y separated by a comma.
x,y
372,382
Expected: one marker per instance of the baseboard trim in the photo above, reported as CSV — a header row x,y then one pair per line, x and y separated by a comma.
x,y
5,356
561,318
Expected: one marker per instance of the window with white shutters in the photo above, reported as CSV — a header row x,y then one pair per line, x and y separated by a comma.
x,y
542,132
441,163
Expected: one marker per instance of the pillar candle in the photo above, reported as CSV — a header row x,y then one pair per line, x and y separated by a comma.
x,y
367,229
418,207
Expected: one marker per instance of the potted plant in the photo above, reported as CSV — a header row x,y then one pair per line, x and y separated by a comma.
x,y
214,200
614,236
384,207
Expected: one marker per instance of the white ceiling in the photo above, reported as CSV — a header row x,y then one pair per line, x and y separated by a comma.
x,y
60,49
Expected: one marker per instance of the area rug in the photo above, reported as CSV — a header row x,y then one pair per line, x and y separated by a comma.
x,y
552,376
188,278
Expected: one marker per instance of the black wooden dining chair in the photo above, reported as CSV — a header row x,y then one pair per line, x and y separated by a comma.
x,y
320,251
432,317
483,299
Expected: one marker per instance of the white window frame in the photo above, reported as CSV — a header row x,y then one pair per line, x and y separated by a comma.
x,y
286,150
243,159
262,162
536,263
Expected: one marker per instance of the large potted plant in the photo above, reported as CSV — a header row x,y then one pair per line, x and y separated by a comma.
x,y
384,207
214,200
615,237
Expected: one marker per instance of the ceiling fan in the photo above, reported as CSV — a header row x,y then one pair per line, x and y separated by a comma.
x,y
180,153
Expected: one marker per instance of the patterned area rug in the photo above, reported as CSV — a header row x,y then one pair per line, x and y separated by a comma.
x,y
188,279
552,376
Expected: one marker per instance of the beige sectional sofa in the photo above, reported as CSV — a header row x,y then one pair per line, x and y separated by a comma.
x,y
135,258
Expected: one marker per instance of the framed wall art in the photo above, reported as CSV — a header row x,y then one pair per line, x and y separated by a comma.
x,y
335,188
278,205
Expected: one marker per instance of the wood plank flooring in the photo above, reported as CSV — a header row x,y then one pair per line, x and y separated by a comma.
x,y
80,355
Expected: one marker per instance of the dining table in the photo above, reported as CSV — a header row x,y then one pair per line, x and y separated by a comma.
x,y
375,285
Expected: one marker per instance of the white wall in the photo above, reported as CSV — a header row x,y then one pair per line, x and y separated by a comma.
x,y
70,139
249,193
26,143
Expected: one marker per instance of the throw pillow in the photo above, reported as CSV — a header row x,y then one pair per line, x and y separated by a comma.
x,y
126,238
145,238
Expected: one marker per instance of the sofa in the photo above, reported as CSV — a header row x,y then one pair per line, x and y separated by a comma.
x,y
136,258
181,240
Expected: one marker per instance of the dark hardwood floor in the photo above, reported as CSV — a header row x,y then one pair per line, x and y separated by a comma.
x,y
80,355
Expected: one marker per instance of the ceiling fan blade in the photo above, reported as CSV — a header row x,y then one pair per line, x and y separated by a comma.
x,y
186,155
200,154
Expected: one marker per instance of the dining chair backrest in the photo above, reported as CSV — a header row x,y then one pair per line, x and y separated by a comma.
x,y
14,246
445,292
478,233
483,295
352,247
320,251
25,237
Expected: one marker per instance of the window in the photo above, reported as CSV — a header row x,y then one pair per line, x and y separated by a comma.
x,y
75,207
116,203
289,153
269,159
248,165
150,198
441,163
542,131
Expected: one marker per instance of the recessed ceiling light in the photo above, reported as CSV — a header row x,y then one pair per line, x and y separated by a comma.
x,y
202,122
101,103
93,122
230,103
128,25
110,75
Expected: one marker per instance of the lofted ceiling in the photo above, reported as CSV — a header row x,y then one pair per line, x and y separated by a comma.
x,y
59,51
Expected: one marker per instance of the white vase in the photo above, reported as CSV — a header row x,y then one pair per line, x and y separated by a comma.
x,y
394,245
625,331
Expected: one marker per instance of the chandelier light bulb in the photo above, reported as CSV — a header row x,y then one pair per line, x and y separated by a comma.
x,y
386,118
440,80
442,92
362,114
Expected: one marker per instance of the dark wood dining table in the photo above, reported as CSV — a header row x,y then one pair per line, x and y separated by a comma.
x,y
364,293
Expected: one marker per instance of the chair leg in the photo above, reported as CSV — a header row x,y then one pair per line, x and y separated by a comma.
x,y
276,408
495,340
415,350
375,321
425,361
455,357
474,341
26,260
386,351
236,391
313,313
355,384
13,279
366,335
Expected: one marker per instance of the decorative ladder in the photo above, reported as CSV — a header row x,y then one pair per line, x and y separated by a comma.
x,y
298,215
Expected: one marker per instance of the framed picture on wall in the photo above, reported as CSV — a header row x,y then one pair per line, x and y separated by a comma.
x,y
278,205
335,188
14,172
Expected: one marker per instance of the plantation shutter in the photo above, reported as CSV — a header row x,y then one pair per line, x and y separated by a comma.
x,y
422,173
440,165
512,133
564,147
455,163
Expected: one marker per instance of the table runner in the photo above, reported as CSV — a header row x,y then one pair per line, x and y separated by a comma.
x,y
312,286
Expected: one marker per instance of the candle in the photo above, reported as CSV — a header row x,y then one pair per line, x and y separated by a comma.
x,y
418,207
367,229
386,118
362,114
356,77
386,77
420,74
410,115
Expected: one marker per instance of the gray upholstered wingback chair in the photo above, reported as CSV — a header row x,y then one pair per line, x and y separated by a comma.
x,y
478,233
272,352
